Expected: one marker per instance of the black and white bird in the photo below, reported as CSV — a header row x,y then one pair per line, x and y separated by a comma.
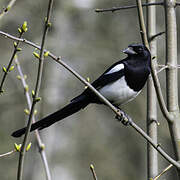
x,y
120,83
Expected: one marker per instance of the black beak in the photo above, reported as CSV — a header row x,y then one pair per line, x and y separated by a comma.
x,y
129,51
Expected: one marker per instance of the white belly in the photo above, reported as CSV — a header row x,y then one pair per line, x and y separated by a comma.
x,y
118,92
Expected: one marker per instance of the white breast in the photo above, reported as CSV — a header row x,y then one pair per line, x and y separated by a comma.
x,y
118,92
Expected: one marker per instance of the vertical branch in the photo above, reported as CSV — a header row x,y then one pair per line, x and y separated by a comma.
x,y
152,155
38,138
172,75
35,96
141,23
157,86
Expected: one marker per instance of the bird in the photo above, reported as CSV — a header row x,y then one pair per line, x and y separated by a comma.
x,y
120,83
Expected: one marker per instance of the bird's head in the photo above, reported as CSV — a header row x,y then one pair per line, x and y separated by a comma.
x,y
137,50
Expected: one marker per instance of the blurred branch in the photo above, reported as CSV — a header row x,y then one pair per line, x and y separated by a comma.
x,y
116,111
161,101
127,7
40,144
164,171
6,10
36,93
8,153
93,172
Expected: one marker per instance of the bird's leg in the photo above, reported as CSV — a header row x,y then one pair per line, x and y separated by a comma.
x,y
124,118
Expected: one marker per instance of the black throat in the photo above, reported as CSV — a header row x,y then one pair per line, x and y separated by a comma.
x,y
137,71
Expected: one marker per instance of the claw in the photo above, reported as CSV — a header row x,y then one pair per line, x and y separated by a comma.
x,y
124,118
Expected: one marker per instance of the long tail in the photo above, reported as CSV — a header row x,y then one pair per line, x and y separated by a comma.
x,y
76,104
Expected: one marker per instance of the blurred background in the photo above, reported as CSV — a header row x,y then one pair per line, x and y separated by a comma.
x,y
89,42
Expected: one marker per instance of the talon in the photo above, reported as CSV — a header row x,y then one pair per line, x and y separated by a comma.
x,y
124,118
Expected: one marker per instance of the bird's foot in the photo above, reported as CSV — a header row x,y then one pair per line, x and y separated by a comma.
x,y
124,118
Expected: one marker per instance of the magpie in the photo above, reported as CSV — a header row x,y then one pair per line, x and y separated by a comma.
x,y
120,83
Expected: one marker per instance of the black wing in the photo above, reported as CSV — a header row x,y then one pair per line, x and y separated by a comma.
x,y
105,79
102,81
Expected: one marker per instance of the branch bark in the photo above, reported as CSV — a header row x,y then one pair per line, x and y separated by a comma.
x,y
40,144
113,9
152,155
157,86
172,75
35,96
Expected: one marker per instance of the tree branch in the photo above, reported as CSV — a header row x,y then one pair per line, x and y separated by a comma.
x,y
116,111
8,153
40,144
157,86
7,70
164,171
6,10
35,96
152,125
93,172
113,9
151,38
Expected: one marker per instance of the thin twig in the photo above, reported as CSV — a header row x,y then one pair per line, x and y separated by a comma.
x,y
138,129
126,7
164,171
6,10
93,172
162,68
8,153
10,63
35,96
156,35
157,86
37,135
155,145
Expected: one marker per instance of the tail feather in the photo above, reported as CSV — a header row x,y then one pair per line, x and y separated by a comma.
x,y
77,104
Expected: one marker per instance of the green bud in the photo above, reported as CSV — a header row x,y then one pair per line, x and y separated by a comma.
x,y
42,147
28,146
17,147
19,29
88,80
1,91
18,77
35,111
91,166
11,68
26,111
15,44
37,99
36,55
4,69
26,88
49,24
46,54
19,49
24,26
33,93
8,8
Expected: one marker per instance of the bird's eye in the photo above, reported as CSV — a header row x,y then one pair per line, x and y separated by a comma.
x,y
140,49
